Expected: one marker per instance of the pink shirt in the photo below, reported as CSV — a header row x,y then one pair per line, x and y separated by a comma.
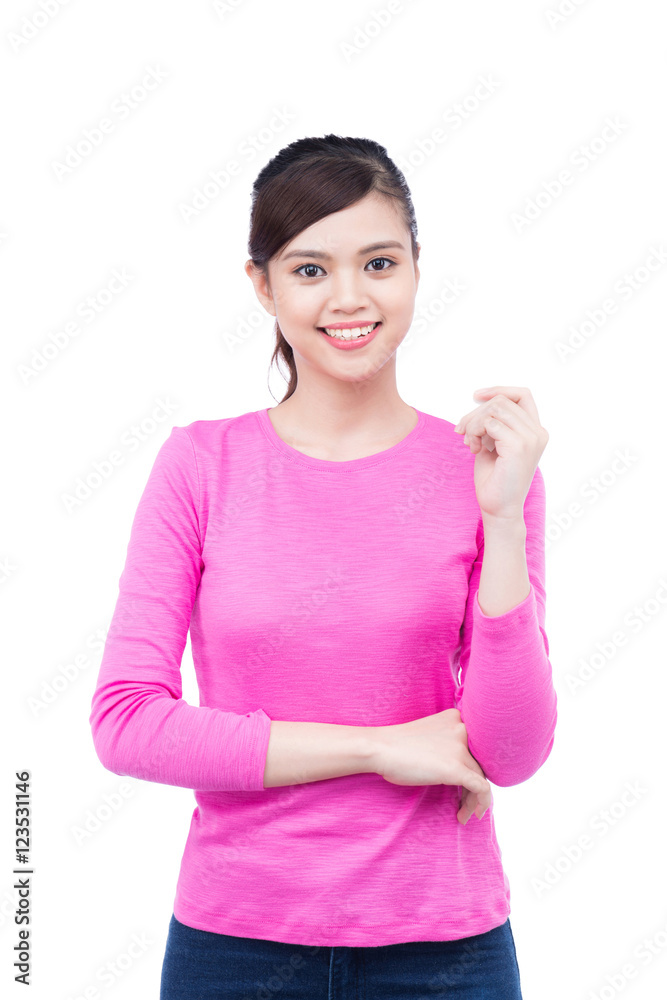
x,y
321,591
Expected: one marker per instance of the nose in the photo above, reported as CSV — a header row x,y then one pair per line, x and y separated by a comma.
x,y
347,293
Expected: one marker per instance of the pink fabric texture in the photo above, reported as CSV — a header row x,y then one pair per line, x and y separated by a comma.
x,y
321,591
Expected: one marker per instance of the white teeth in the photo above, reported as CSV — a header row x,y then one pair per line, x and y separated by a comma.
x,y
351,334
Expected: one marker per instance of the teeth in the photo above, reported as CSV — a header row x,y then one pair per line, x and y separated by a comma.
x,y
351,334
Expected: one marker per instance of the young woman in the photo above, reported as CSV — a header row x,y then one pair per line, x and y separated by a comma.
x,y
364,587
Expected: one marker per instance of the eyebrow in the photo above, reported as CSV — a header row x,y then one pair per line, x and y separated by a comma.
x,y
319,255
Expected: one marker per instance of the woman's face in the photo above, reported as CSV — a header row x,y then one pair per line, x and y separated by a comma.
x,y
354,266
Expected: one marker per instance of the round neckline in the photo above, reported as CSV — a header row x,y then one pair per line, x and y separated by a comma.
x,y
329,465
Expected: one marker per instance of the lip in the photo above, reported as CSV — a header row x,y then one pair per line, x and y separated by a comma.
x,y
349,326
349,345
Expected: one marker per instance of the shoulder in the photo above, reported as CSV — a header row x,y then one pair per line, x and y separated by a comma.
x,y
441,439
211,434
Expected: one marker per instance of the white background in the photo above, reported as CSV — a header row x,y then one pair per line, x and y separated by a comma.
x,y
170,335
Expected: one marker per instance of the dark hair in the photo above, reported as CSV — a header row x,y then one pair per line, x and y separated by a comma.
x,y
307,180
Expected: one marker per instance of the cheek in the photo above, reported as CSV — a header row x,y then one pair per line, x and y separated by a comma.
x,y
402,292
303,307
401,301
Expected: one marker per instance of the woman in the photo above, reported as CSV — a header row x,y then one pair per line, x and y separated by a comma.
x,y
364,588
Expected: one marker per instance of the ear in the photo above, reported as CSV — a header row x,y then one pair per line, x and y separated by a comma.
x,y
261,286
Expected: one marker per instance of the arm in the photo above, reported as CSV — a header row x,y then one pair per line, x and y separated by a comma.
x,y
300,752
504,581
506,695
141,726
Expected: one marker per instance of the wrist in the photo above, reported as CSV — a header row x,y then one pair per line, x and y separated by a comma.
x,y
512,526
373,748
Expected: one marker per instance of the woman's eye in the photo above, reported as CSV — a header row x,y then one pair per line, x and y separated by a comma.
x,y
316,267
376,259
300,269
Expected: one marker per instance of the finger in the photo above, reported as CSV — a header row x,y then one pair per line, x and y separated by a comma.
x,y
476,789
521,395
488,431
504,411
484,802
473,803
476,442
495,434
474,782
521,398
466,807
479,801
463,815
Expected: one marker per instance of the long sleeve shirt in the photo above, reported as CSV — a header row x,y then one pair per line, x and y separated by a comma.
x,y
322,591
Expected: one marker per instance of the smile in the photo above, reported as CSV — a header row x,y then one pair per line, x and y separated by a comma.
x,y
354,333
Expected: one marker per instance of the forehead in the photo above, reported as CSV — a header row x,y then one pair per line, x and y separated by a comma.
x,y
369,225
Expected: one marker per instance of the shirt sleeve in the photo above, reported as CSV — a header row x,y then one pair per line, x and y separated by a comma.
x,y
141,726
506,695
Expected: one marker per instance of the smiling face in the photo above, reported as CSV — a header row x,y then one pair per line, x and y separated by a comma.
x,y
352,268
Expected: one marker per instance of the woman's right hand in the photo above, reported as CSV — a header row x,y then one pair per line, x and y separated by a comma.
x,y
433,751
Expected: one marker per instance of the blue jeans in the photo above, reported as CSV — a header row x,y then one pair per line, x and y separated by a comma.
x,y
201,965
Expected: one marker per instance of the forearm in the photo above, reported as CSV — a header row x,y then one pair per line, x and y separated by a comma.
x,y
299,752
508,704
504,580
142,731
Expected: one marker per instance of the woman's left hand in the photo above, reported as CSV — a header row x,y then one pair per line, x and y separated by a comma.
x,y
506,437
